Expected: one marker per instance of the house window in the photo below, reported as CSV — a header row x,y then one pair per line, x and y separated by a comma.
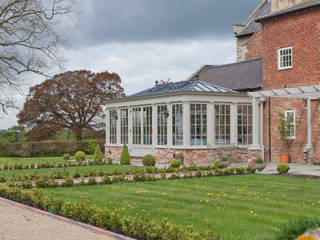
x,y
147,125
162,116
291,119
177,124
198,114
124,125
136,125
222,117
285,58
244,124
113,126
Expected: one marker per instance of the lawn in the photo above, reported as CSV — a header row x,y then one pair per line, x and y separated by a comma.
x,y
239,207
71,170
35,160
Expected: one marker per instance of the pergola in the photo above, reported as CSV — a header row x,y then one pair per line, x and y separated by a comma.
x,y
304,92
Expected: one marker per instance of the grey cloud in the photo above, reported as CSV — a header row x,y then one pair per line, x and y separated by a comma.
x,y
105,21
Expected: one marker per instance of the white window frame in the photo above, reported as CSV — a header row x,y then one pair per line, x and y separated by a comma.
x,y
246,123
113,128
294,122
225,124
280,57
202,135
177,139
124,126
162,125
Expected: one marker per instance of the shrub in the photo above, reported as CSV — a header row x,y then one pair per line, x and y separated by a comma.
x,y
92,181
110,161
259,160
76,174
98,155
217,164
251,169
80,156
240,170
295,228
66,156
149,160
91,146
224,159
68,182
283,168
175,164
125,157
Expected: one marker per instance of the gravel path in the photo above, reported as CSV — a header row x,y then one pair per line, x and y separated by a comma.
x,y
21,224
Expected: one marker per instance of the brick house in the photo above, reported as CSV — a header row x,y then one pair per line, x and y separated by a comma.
x,y
233,110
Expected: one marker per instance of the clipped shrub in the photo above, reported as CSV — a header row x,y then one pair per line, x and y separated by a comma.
x,y
259,160
175,164
149,160
66,156
109,161
76,174
250,169
240,170
283,168
224,159
98,155
125,156
294,228
80,156
68,182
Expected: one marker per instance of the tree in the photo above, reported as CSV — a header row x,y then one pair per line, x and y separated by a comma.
x,y
71,100
28,40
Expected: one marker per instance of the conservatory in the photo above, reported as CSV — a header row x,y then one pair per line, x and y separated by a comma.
x,y
198,120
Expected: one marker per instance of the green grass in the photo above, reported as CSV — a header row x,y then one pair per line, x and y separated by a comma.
x,y
35,160
242,207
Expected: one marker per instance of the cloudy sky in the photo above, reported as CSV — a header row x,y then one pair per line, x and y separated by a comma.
x,y
148,40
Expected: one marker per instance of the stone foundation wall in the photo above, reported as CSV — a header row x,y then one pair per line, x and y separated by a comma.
x,y
164,156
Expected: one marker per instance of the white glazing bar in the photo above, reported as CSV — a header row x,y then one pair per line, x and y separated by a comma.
x,y
130,132
107,127
154,126
186,124
210,125
169,128
233,124
118,127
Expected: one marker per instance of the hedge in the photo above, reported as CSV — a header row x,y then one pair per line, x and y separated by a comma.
x,y
139,227
44,149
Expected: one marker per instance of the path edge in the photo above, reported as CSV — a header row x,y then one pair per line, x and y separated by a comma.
x,y
68,220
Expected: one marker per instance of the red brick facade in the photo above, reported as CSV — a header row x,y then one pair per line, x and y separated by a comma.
x,y
301,31
164,156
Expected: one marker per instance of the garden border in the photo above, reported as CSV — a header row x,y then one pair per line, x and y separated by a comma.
x,y
64,219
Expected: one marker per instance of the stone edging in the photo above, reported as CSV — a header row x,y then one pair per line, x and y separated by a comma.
x,y
60,218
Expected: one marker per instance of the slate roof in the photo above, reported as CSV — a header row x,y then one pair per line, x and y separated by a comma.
x,y
299,7
241,76
183,87
252,26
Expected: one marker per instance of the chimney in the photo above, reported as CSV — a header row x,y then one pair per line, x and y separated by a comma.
x,y
278,5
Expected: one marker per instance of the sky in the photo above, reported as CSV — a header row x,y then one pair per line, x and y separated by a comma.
x,y
146,40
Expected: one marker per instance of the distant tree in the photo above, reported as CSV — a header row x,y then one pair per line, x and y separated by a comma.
x,y
11,135
29,40
71,100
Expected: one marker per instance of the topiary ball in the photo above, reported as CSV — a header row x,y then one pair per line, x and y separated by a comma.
x,y
149,160
80,156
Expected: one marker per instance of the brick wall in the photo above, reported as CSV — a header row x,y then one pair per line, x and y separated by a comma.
x,y
164,156
297,146
254,46
301,31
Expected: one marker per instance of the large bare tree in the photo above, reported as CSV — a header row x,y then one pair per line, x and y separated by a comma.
x,y
29,40
71,100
